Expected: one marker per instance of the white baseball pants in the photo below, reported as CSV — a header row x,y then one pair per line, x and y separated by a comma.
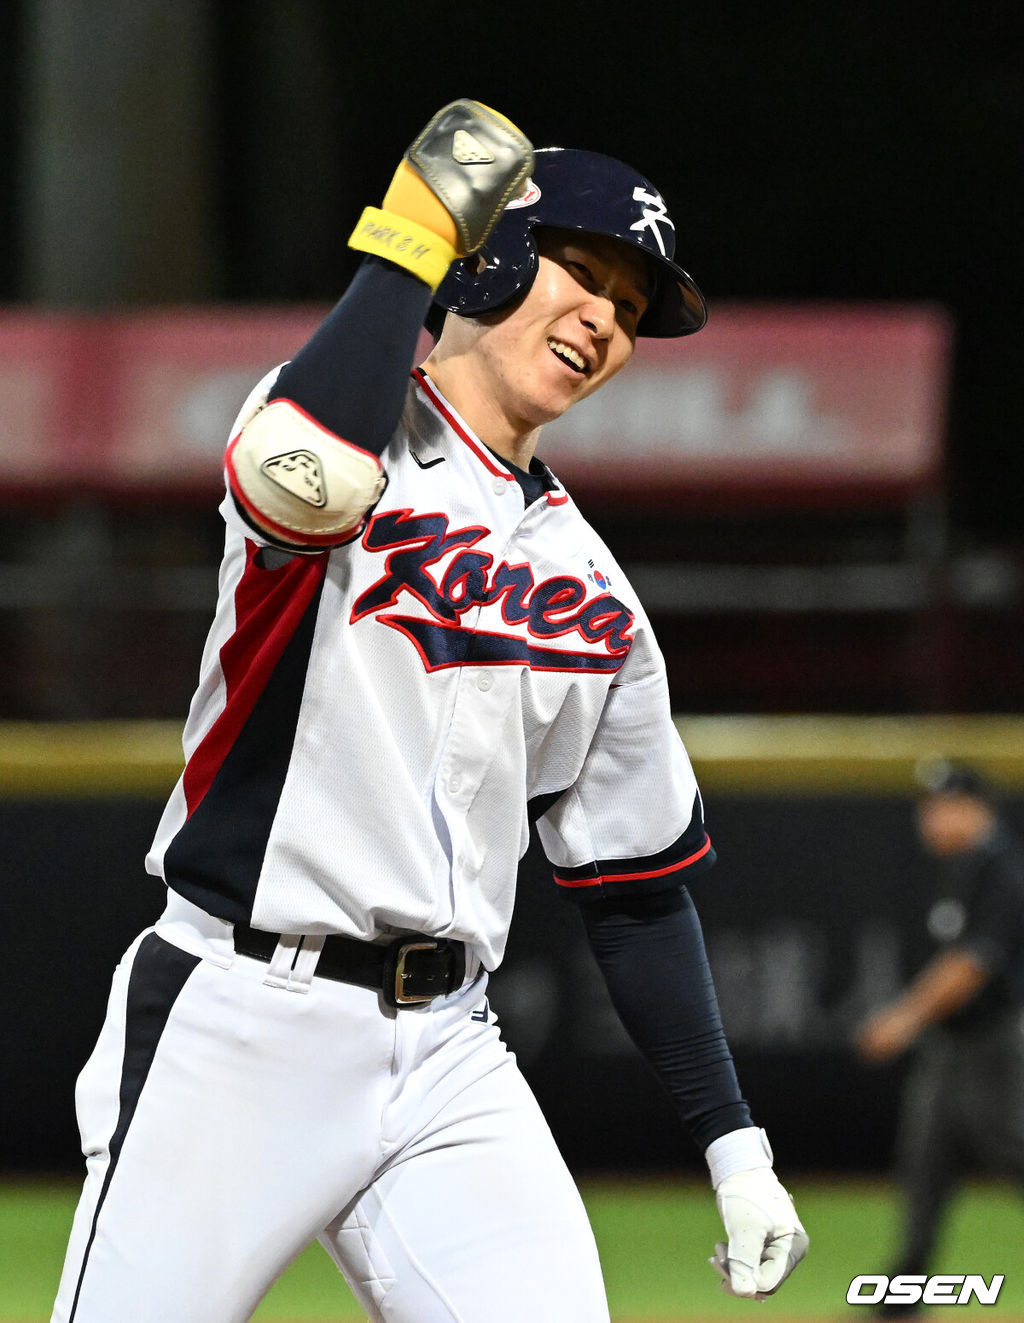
x,y
232,1112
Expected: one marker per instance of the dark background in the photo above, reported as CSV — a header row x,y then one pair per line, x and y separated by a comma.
x,y
808,152
800,953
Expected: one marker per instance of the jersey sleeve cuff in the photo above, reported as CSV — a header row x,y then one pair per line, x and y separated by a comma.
x,y
689,855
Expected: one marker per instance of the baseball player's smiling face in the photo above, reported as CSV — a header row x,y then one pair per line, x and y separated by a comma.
x,y
510,372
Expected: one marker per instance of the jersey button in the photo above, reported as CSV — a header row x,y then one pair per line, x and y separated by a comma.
x,y
455,783
499,485
484,681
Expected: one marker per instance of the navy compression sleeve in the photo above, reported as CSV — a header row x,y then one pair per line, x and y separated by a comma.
x,y
651,953
353,372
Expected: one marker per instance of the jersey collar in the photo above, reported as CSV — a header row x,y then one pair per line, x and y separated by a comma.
x,y
555,493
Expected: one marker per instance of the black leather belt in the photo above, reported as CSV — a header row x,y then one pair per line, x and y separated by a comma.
x,y
408,971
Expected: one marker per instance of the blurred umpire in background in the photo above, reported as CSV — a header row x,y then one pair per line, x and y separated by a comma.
x,y
963,1103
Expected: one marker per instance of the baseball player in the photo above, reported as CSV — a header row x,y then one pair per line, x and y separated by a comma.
x,y
419,648
961,1017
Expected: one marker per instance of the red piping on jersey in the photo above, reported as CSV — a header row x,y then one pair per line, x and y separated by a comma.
x,y
269,605
634,877
425,384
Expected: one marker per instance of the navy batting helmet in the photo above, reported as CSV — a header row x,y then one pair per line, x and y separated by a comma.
x,y
576,190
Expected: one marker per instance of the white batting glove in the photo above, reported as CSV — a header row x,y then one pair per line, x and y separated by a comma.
x,y
766,1238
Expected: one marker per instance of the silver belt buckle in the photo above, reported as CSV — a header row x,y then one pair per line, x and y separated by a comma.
x,y
400,975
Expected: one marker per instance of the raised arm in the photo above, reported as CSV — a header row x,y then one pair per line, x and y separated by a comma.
x,y
305,468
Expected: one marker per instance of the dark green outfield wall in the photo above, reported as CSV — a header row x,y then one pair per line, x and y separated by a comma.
x,y
813,912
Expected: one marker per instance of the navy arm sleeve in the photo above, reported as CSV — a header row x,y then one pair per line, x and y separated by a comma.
x,y
353,372
651,953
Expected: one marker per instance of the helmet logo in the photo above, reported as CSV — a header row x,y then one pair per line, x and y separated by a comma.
x,y
527,199
468,150
653,213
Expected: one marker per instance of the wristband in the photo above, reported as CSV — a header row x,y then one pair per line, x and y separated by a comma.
x,y
396,239
739,1150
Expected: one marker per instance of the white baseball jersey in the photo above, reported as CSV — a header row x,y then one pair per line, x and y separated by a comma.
x,y
377,718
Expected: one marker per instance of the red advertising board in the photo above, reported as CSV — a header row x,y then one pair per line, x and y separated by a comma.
x,y
135,400
772,401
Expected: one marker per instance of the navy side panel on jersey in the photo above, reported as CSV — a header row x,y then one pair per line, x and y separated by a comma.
x,y
234,779
159,973
687,856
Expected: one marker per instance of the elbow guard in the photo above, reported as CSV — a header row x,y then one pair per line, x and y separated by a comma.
x,y
298,482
